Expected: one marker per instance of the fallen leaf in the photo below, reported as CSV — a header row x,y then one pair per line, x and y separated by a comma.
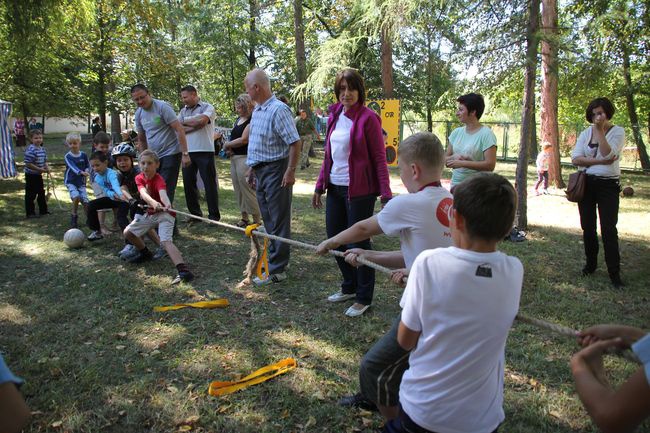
x,y
121,334
555,414
122,413
120,347
185,428
364,412
56,424
172,389
223,409
310,422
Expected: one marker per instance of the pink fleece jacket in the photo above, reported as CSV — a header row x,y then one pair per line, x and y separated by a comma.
x,y
367,160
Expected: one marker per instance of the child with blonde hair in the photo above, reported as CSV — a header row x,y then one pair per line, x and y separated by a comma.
x,y
543,160
77,170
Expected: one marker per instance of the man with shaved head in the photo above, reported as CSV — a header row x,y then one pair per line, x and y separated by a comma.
x,y
273,154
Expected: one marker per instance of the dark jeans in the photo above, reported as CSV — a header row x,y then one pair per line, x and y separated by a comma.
x,y
404,424
34,189
601,193
106,203
340,214
275,205
203,162
169,168
382,368
542,177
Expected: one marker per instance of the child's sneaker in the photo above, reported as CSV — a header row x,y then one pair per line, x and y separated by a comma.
x,y
140,257
160,253
128,251
73,221
185,276
95,236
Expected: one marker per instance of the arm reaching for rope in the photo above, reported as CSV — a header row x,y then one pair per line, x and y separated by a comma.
x,y
358,232
619,410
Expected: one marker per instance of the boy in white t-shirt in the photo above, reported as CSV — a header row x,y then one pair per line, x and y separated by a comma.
x,y
457,308
421,220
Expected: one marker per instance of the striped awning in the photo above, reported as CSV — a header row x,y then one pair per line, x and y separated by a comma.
x,y
7,156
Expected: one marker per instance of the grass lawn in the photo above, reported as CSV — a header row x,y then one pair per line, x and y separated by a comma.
x,y
79,325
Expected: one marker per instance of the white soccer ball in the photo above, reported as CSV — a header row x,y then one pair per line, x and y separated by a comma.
x,y
74,238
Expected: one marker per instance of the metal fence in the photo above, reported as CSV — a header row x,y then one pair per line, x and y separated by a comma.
x,y
508,136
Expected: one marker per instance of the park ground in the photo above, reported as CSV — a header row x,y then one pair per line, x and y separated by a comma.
x,y
79,325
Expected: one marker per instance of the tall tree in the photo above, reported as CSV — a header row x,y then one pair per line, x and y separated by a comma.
x,y
528,114
549,91
301,57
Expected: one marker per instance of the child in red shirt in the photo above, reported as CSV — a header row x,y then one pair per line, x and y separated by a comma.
x,y
153,191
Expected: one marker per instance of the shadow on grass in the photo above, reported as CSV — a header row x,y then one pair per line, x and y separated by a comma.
x,y
79,326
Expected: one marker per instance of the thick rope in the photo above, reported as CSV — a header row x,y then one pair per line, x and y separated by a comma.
x,y
557,329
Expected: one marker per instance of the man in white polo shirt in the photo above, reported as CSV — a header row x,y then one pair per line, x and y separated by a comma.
x,y
197,118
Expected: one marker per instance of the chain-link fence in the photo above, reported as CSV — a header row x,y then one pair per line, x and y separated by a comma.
x,y
508,136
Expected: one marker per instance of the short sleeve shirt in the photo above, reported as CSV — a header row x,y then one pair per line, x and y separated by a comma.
x,y
305,126
153,186
471,145
6,375
272,131
201,140
154,123
421,220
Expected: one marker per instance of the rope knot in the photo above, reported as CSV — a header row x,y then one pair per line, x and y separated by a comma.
x,y
250,228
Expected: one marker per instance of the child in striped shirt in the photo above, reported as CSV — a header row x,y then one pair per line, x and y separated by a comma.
x,y
35,166
76,172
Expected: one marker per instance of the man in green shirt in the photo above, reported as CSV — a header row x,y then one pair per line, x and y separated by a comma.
x,y
306,130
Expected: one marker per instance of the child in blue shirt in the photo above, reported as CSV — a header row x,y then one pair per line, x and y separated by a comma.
x,y
113,198
76,172
35,166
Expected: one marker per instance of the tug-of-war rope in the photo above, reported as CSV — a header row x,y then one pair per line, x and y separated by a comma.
x,y
258,254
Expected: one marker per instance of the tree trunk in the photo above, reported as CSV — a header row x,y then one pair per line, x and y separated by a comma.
x,y
429,100
549,100
252,33
527,124
386,63
631,110
301,58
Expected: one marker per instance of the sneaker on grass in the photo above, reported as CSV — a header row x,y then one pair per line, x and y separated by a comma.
x,y
128,251
160,253
271,279
95,236
340,297
140,257
184,276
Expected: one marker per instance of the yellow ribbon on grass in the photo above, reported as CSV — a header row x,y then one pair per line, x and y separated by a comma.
x,y
217,303
217,388
263,262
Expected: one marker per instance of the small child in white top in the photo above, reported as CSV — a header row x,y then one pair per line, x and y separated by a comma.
x,y
542,163
458,306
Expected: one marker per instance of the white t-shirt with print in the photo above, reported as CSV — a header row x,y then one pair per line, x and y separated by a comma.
x,y
420,219
463,303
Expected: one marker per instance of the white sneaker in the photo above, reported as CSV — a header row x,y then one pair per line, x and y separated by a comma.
x,y
160,253
125,250
354,312
340,297
95,236
128,251
273,278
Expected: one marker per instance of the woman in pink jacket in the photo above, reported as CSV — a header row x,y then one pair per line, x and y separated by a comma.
x,y
354,173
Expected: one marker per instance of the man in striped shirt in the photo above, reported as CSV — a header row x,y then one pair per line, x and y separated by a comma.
x,y
273,154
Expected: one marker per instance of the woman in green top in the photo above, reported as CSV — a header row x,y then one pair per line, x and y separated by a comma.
x,y
472,147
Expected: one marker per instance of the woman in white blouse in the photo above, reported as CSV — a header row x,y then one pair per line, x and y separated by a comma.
x,y
597,150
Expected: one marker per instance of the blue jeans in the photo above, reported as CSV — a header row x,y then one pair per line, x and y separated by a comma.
x,y
275,205
340,214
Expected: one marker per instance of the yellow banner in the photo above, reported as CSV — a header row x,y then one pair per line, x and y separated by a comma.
x,y
389,112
